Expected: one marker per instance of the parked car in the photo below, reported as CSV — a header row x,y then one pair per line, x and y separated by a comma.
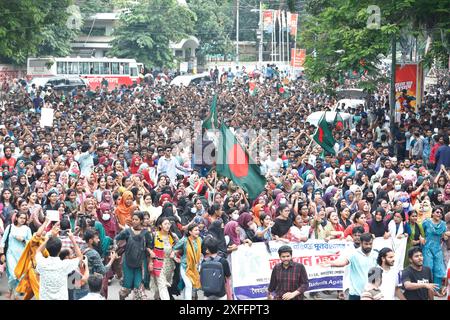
x,y
195,79
351,98
67,83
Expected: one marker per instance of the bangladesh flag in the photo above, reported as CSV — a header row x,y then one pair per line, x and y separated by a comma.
x,y
211,121
234,162
253,90
338,122
324,136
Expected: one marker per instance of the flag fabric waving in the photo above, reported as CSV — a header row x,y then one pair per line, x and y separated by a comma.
x,y
211,121
324,136
338,122
234,162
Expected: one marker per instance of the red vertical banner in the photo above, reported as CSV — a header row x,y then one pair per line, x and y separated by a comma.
x,y
405,88
298,57
268,21
293,24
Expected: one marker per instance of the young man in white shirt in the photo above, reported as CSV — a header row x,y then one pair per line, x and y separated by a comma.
x,y
52,270
390,284
169,165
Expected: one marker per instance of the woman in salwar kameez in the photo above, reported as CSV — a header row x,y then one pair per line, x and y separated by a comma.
x,y
433,256
163,263
133,277
17,235
25,269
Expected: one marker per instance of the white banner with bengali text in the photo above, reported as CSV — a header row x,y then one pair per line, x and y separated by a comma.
x,y
252,266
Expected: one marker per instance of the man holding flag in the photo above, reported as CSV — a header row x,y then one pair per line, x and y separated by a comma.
x,y
323,135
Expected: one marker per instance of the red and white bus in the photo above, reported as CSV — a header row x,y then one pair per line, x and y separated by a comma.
x,y
116,71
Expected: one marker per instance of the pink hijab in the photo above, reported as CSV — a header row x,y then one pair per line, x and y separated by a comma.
x,y
230,230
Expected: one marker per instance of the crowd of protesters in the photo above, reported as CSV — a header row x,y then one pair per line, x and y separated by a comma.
x,y
132,204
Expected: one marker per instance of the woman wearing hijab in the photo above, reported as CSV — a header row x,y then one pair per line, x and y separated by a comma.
x,y
446,194
364,207
20,168
377,226
349,197
106,214
247,227
437,198
216,230
232,236
125,210
135,164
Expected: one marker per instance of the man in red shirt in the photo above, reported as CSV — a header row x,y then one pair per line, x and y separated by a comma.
x,y
439,142
8,159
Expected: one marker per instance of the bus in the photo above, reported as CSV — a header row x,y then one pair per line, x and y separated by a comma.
x,y
116,71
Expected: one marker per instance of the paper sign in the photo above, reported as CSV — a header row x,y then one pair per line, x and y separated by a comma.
x,y
47,117
53,215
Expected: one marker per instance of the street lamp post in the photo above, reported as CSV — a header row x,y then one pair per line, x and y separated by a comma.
x,y
237,32
260,32
392,89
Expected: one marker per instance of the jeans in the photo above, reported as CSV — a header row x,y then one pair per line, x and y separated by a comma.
x,y
80,293
353,297
187,291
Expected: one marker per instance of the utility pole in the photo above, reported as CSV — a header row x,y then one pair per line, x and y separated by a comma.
x,y
261,30
237,32
392,89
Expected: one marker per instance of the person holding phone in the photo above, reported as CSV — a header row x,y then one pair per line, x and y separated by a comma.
x,y
52,270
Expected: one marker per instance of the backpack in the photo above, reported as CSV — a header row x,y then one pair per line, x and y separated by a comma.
x,y
135,249
212,277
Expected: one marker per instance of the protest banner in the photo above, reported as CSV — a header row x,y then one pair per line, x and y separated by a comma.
x,y
252,266
298,57
406,85
47,117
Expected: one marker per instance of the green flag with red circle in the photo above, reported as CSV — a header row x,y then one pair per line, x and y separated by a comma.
x,y
338,122
234,162
324,136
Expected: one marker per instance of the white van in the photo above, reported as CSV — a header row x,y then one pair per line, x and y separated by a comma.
x,y
351,98
195,79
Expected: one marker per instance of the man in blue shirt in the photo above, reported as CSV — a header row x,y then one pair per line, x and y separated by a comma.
x,y
359,263
443,155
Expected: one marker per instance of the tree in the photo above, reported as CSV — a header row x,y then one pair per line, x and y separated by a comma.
x,y
338,40
32,27
58,31
211,27
145,30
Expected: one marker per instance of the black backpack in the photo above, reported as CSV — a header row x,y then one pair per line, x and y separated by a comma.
x,y
135,249
212,277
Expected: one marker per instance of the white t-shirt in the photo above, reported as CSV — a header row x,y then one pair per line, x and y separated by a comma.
x,y
53,277
390,281
93,296
273,167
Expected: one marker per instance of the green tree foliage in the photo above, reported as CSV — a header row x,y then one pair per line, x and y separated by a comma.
x,y
33,27
337,38
212,26
145,30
